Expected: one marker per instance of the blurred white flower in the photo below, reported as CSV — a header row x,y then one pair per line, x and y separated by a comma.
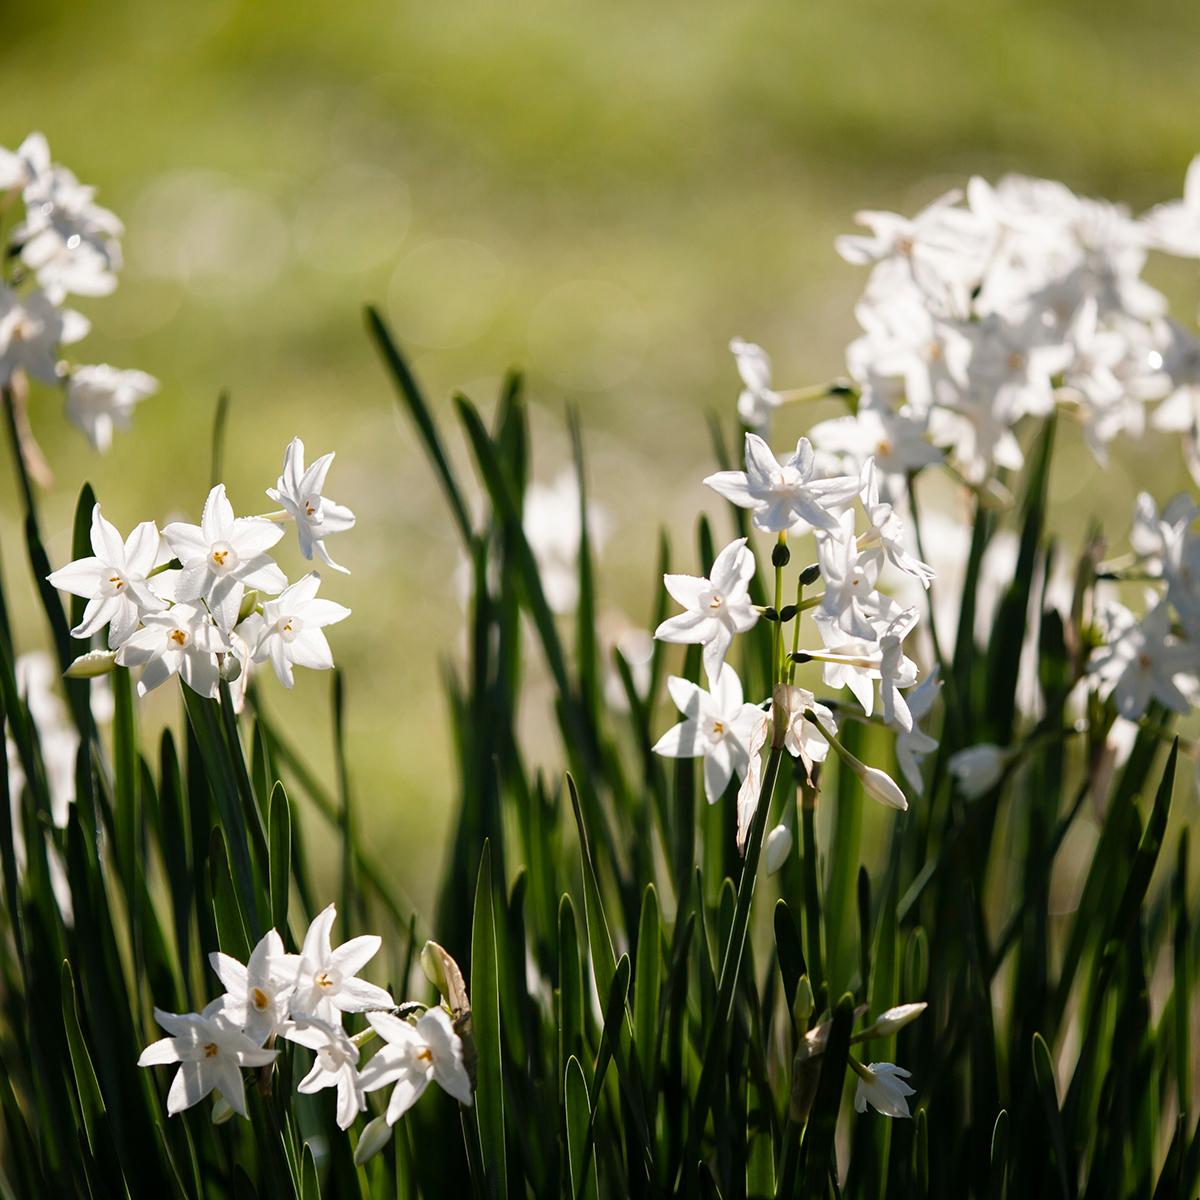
x,y
299,491
224,555
415,1055
978,769
1143,661
757,400
31,331
715,608
113,579
550,521
102,398
1175,226
19,168
894,442
913,744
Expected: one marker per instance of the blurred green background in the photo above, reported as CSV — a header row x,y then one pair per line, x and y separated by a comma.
x,y
601,193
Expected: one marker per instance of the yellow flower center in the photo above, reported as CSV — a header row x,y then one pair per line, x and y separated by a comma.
x,y
178,636
260,999
211,1051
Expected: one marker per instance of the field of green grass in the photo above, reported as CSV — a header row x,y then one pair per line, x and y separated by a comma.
x,y
603,194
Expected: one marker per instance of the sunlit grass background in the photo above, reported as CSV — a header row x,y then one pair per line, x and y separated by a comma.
x,y
601,193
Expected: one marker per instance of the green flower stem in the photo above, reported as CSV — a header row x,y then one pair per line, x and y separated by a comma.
x,y
812,894
731,961
777,640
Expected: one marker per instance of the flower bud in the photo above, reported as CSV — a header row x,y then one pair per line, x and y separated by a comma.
x,y
431,964
778,846
249,604
770,614
787,613
231,668
780,555
802,1006
893,1020
92,664
375,1135
221,1110
810,575
879,785
978,768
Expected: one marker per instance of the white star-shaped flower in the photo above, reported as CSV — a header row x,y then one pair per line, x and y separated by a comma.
x,y
317,517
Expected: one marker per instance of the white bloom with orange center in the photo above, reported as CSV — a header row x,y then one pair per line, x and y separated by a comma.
x,y
327,982
289,631
182,641
299,490
257,993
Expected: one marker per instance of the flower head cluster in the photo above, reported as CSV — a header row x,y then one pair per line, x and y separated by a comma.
x,y
304,998
64,245
999,302
861,629
1155,657
207,601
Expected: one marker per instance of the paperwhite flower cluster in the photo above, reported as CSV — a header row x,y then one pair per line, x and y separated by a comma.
x,y
64,245
207,601
861,629
999,303
1155,657
302,998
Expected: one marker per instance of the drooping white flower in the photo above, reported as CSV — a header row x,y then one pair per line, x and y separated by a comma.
x,y
803,739
184,641
851,601
113,579
784,495
31,331
224,555
289,632
885,535
717,727
335,1066
748,793
211,1051
414,1056
882,1086
715,608
257,992
102,398
913,744
299,491
757,400
327,982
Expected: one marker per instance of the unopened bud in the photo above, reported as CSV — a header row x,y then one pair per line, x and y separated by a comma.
x,y
787,613
810,574
777,848
802,1007
375,1135
893,1020
221,1110
92,664
879,785
770,614
780,555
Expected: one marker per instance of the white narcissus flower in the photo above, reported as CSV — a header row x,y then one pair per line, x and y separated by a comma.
x,y
882,1086
19,168
184,641
784,495
31,331
336,1065
326,982
211,1051
317,517
257,993
289,630
415,1055
803,739
747,797
1175,227
757,400
851,601
893,441
716,607
102,398
717,727
1180,368
224,555
113,579
978,768
1143,661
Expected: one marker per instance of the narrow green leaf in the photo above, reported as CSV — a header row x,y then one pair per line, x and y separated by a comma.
x,y
1043,1072
310,1180
485,1014
647,983
280,857
580,1157
87,1087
